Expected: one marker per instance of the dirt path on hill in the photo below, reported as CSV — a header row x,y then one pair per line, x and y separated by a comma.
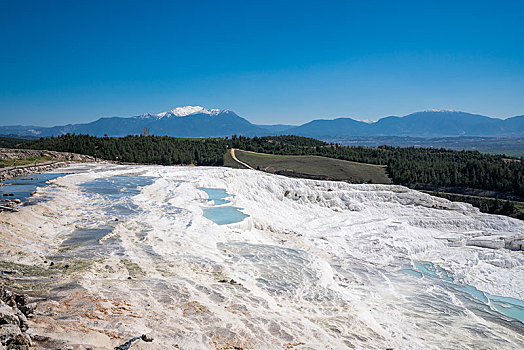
x,y
239,161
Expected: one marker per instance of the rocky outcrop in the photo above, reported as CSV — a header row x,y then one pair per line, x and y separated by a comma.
x,y
59,159
15,308
12,172
10,153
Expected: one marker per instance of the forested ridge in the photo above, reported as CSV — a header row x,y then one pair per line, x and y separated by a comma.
x,y
11,142
427,166
163,150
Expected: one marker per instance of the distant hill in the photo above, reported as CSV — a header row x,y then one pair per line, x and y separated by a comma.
x,y
420,124
195,121
331,127
277,128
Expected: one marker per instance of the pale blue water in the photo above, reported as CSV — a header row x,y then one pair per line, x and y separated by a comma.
x,y
23,187
117,191
475,292
429,269
510,307
224,215
113,198
117,186
216,195
412,272
221,215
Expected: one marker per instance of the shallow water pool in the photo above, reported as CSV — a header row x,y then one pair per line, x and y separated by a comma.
x,y
216,195
510,307
23,187
222,215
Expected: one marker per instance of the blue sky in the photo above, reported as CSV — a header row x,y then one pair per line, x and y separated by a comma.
x,y
269,61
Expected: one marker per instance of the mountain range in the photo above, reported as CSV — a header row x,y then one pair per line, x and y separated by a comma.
x,y
195,121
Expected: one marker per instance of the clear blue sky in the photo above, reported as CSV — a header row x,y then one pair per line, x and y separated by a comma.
x,y
269,61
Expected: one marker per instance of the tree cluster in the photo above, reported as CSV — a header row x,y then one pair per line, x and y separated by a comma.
x,y
138,149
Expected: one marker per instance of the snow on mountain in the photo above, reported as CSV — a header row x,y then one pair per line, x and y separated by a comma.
x,y
183,112
441,110
197,121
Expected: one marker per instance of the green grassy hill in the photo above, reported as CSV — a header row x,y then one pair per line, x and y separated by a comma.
x,y
312,167
230,162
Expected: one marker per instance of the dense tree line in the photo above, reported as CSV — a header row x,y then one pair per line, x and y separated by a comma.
x,y
408,166
11,142
138,149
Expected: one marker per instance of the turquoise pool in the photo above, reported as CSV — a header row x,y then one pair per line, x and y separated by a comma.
x,y
510,307
221,214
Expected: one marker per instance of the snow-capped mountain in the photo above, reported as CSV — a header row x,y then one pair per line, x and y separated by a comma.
x,y
188,121
183,112
197,121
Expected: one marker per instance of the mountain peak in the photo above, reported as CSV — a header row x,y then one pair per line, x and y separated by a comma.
x,y
188,110
441,110
183,112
